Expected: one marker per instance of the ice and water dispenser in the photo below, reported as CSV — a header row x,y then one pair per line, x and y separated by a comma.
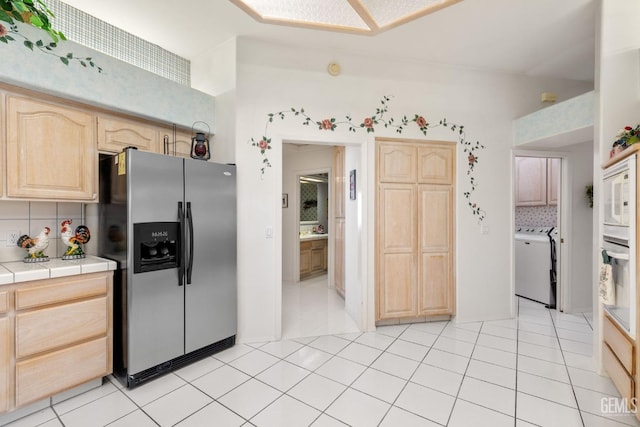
x,y
156,246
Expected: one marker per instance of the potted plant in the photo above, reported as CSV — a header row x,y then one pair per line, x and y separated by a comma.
x,y
37,14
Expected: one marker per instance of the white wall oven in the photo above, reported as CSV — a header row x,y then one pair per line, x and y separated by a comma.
x,y
619,241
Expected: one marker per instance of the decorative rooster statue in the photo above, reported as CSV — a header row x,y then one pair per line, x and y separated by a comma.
x,y
35,246
74,239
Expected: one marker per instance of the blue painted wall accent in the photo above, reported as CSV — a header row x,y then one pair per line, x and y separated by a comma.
x,y
572,114
122,87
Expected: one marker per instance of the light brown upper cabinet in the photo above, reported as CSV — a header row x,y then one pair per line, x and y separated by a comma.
x,y
553,180
536,181
51,151
178,144
116,134
415,229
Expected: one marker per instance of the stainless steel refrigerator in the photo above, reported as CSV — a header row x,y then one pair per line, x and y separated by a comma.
x,y
170,223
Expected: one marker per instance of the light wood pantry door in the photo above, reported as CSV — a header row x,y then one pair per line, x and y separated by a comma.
x,y
415,214
435,219
396,239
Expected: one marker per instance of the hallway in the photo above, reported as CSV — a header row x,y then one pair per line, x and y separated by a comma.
x,y
310,308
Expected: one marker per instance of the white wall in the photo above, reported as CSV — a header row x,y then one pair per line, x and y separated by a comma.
x,y
272,79
579,175
214,73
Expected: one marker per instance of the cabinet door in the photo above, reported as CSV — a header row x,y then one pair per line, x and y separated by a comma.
x,y
5,352
339,181
396,251
531,181
397,162
317,259
435,164
178,145
435,283
338,256
305,259
51,153
115,134
553,181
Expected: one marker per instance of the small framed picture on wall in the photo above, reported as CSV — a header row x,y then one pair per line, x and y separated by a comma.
x,y
352,184
285,200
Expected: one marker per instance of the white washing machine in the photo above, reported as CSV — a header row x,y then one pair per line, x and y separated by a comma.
x,y
535,256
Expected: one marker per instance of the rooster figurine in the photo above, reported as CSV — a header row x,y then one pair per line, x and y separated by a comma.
x,y
35,246
74,239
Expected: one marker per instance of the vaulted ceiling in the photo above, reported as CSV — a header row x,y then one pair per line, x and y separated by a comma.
x,y
531,37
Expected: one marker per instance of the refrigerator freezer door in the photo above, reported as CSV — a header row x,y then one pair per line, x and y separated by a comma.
x,y
210,299
155,307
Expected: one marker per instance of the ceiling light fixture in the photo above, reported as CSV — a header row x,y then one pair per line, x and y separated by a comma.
x,y
333,68
350,16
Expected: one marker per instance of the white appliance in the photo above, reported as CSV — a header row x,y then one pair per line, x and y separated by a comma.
x,y
618,239
535,256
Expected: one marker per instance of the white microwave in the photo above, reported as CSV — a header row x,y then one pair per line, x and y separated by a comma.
x,y
618,192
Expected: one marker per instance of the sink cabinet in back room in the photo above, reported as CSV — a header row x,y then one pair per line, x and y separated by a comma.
x,y
313,257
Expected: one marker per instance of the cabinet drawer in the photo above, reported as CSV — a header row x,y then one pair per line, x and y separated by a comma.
x,y
623,381
619,344
52,373
59,290
318,244
304,246
53,327
4,302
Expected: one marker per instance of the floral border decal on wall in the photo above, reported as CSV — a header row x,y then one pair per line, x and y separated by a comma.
x,y
369,124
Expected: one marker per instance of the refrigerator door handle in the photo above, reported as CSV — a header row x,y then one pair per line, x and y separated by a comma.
x,y
181,244
190,266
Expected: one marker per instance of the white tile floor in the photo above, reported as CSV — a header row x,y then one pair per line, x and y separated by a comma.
x,y
311,308
534,370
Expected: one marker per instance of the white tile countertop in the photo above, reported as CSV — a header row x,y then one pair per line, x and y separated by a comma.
x,y
18,271
314,236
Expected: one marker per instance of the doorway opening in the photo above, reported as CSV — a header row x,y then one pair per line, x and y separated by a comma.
x,y
550,191
311,304
537,229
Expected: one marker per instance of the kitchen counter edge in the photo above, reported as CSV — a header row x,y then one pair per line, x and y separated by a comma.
x,y
18,271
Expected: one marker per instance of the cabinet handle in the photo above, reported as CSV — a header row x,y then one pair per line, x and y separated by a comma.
x,y
165,138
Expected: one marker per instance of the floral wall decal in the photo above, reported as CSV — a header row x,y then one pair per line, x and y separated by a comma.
x,y
369,124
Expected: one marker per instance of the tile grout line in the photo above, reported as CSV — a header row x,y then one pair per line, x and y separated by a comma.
x,y
573,390
408,380
464,375
515,401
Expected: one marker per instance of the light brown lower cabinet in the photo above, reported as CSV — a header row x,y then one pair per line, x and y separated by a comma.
x,y
619,357
62,332
5,352
313,257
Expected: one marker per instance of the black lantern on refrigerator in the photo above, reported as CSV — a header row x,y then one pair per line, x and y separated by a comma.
x,y
200,148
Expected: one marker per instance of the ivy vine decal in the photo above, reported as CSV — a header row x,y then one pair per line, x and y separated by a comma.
x,y
369,124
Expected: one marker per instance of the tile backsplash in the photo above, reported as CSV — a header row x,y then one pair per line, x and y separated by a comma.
x,y
30,218
543,216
